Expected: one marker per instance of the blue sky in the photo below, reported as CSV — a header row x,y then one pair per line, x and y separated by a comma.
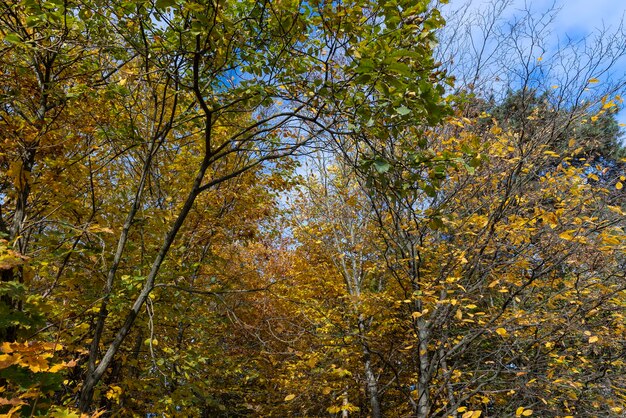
x,y
575,19
578,18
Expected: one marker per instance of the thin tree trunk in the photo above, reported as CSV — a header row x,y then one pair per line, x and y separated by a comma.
x,y
370,376
93,377
372,388
423,381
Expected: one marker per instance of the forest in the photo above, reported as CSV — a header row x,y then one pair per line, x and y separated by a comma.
x,y
316,208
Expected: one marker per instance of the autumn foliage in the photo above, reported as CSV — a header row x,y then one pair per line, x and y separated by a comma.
x,y
281,208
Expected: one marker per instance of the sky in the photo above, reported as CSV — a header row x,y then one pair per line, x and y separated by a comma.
x,y
584,16
576,19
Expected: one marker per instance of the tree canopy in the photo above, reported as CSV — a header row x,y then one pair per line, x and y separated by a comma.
x,y
291,208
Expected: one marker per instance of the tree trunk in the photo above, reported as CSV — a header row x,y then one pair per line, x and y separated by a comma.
x,y
372,388
370,377
93,377
423,382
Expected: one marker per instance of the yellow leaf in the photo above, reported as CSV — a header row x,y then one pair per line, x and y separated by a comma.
x,y
609,240
114,393
551,154
519,411
593,339
619,185
527,412
593,80
289,397
7,360
57,367
501,332
34,363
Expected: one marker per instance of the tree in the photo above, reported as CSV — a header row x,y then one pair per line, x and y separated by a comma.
x,y
145,90
424,190
214,208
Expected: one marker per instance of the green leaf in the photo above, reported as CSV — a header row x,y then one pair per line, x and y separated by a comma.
x,y
382,166
403,110
164,4
13,38
400,68
430,190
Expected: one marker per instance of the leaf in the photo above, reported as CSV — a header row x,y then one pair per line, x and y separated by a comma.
x,y
382,166
501,332
34,363
593,80
619,185
593,339
290,397
403,110
400,68
13,38
114,393
163,4
527,412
